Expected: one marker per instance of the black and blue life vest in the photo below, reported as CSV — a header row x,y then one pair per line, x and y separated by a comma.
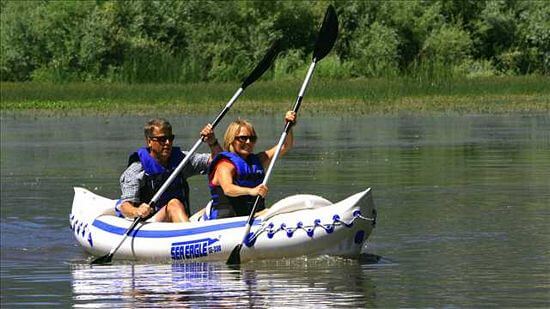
x,y
249,173
156,175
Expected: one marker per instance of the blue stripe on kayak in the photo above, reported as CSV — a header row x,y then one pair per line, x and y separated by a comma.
x,y
171,233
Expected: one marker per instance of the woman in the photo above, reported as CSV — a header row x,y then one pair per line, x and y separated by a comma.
x,y
236,175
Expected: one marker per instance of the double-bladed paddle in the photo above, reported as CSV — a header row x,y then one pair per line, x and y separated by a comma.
x,y
258,71
325,42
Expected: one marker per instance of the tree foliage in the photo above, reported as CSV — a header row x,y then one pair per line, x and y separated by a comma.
x,y
206,40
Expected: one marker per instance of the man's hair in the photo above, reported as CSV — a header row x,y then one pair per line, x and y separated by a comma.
x,y
232,131
160,123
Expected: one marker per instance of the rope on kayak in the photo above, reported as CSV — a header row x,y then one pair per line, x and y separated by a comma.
x,y
357,213
80,228
309,229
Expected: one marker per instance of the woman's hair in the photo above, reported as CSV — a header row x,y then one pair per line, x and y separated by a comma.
x,y
232,131
160,123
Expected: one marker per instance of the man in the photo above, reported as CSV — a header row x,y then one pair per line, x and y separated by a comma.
x,y
149,167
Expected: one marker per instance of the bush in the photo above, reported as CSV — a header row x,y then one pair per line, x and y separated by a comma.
x,y
207,40
147,62
534,37
375,52
494,31
448,45
332,67
475,68
21,50
288,63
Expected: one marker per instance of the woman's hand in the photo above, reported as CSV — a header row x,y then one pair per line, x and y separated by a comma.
x,y
290,116
259,190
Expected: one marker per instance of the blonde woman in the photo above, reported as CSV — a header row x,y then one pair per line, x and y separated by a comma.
x,y
236,174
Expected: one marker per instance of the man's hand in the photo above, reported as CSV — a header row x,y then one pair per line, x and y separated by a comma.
x,y
208,136
143,211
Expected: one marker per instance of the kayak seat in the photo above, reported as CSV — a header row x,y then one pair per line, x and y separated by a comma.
x,y
295,203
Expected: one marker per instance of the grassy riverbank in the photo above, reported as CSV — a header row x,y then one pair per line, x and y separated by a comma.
x,y
525,94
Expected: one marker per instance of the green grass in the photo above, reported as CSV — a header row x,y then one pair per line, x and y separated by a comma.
x,y
526,94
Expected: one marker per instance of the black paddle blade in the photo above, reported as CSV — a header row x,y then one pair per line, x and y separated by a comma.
x,y
266,62
235,257
327,34
102,260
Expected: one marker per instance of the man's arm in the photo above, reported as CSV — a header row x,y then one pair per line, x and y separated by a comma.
x,y
130,184
198,163
215,148
131,210
209,138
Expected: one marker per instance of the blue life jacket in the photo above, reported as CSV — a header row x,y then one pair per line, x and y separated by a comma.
x,y
249,173
156,175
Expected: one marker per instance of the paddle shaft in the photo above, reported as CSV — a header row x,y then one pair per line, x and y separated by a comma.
x,y
182,164
258,71
325,41
128,231
264,64
288,125
282,139
107,258
324,44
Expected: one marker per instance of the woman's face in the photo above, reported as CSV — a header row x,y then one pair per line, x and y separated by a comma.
x,y
244,142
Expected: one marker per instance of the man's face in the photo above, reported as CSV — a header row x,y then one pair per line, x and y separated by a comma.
x,y
160,144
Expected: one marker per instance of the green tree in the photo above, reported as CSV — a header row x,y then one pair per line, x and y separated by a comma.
x,y
449,45
534,38
207,40
21,52
495,31
375,51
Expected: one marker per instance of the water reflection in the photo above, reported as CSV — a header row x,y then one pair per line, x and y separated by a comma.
x,y
324,280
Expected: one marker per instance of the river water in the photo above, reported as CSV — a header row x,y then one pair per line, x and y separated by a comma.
x,y
463,214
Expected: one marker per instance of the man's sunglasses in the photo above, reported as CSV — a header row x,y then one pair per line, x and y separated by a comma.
x,y
163,138
244,138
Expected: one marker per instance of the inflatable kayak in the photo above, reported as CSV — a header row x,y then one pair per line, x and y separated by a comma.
x,y
294,226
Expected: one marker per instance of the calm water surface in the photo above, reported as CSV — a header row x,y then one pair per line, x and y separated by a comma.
x,y
463,203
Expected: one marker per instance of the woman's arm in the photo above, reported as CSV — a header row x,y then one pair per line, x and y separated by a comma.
x,y
267,155
223,176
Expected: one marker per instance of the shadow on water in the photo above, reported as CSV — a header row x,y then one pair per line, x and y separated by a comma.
x,y
369,259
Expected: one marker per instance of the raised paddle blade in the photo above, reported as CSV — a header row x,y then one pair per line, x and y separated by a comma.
x,y
327,35
325,42
106,259
266,62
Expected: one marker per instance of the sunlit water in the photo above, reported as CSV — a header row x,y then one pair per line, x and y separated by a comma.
x,y
463,204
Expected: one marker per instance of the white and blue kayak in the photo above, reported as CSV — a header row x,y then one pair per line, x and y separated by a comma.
x,y
299,225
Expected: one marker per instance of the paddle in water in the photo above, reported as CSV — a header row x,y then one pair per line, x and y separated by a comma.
x,y
258,71
325,42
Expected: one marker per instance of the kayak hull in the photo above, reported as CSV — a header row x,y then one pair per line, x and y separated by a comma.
x,y
295,226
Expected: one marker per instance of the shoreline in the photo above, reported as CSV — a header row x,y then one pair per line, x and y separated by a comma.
x,y
523,104
494,95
